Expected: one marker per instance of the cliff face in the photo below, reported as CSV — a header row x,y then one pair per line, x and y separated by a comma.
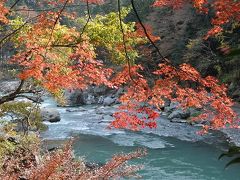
x,y
176,28
181,32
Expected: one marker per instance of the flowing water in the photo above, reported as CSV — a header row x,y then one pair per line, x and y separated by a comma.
x,y
168,157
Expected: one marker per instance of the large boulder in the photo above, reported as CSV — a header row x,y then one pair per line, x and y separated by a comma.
x,y
9,86
50,115
91,95
89,99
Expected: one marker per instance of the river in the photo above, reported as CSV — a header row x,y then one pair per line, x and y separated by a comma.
x,y
174,152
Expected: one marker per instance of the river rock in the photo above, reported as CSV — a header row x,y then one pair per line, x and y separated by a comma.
x,y
90,99
167,103
179,113
93,95
93,166
50,115
73,97
82,98
29,99
106,119
100,100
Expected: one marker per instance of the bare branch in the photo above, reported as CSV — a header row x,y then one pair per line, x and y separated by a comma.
x,y
33,99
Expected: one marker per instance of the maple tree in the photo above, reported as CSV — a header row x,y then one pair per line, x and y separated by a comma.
x,y
58,57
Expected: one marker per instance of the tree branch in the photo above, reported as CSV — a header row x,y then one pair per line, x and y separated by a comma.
x,y
33,99
13,95
19,92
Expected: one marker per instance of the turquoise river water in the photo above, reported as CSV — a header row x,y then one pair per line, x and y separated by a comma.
x,y
168,158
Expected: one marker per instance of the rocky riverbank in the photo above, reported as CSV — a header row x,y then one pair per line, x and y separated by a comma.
x,y
174,122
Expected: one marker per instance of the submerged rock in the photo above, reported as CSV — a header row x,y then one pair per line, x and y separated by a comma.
x,y
107,119
79,109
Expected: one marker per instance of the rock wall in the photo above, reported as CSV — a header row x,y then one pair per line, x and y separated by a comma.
x,y
93,95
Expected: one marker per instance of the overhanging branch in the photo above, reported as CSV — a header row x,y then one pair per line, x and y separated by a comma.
x,y
12,96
